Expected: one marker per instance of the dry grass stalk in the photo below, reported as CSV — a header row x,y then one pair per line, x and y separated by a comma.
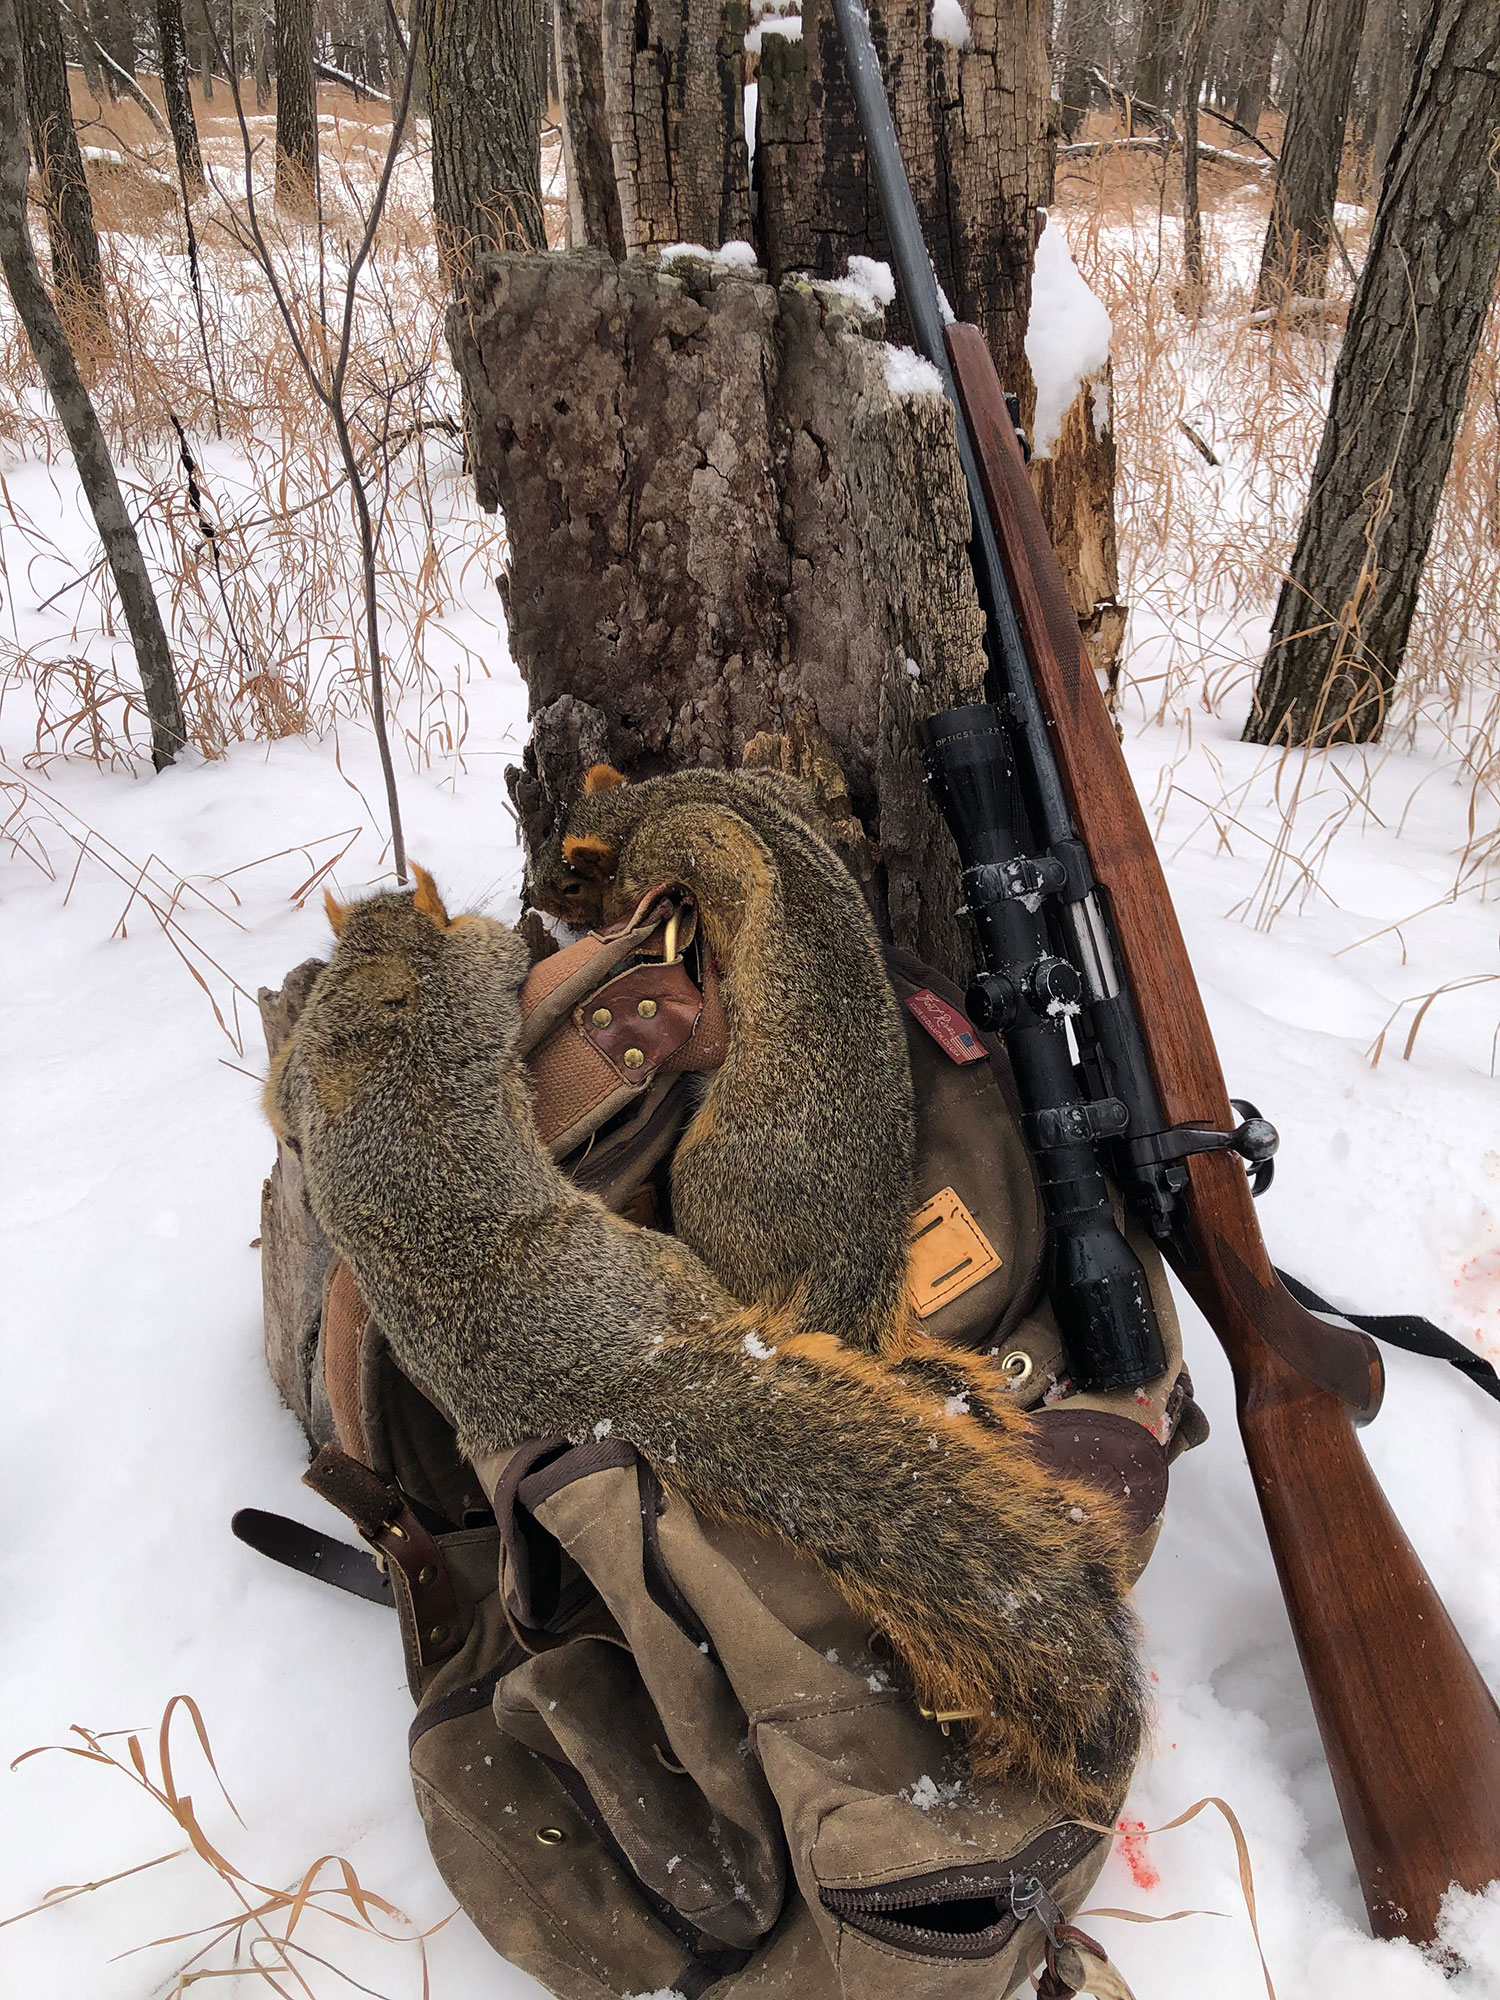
x,y
260,1933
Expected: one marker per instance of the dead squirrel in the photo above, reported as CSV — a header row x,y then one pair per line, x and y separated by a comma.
x,y
525,1308
794,1180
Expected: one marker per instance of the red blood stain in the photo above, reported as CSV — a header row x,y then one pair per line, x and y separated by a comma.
x,y
1133,1838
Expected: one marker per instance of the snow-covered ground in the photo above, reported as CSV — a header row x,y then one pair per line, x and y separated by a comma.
x,y
137,1412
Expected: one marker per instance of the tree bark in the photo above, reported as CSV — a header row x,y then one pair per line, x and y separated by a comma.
x,y
593,199
674,90
1256,51
1156,58
1200,21
1299,234
59,163
76,412
974,127
175,75
1398,397
296,109
1395,83
723,525
1079,49
264,36
485,78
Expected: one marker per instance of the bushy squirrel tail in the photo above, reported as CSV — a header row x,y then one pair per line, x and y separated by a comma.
x,y
1000,1585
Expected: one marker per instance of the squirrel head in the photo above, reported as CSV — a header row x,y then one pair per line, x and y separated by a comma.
x,y
416,1012
577,867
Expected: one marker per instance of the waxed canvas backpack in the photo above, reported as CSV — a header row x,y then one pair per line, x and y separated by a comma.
x,y
654,1754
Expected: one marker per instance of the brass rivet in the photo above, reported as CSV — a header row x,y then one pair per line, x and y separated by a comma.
x,y
1018,1367
601,1017
551,1836
427,1574
633,1058
646,1009
438,1636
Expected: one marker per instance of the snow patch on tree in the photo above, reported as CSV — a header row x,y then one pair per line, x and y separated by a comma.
x,y
908,373
1067,337
949,24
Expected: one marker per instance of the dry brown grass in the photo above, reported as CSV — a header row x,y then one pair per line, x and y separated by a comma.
x,y
261,609
262,1932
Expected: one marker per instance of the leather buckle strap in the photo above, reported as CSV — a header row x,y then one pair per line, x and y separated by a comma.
x,y
386,1521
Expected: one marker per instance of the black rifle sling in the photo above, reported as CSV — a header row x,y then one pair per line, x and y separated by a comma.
x,y
1417,1336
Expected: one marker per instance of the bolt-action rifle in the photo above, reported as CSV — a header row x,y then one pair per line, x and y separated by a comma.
x,y
1084,971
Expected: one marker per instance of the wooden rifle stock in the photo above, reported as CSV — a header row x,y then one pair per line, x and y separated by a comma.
x,y
1411,1732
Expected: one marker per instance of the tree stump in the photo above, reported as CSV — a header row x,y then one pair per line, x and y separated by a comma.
x,y
724,526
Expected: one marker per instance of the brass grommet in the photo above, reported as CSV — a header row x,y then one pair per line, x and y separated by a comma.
x,y
438,1636
633,1059
1017,1365
646,1009
427,1574
601,1017
551,1836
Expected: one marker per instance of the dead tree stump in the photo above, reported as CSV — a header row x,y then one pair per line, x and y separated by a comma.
x,y
724,526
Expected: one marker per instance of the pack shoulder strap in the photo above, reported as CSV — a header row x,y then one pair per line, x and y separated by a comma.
x,y
1407,1330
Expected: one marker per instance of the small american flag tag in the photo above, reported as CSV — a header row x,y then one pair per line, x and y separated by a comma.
x,y
947,1026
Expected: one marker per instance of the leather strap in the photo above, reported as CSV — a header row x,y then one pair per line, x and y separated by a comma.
x,y
312,1554
384,1516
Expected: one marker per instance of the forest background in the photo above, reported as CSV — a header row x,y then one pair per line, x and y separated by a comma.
x,y
1338,900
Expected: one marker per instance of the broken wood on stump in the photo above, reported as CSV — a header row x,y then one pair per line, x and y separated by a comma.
x,y
295,1254
723,523
1075,488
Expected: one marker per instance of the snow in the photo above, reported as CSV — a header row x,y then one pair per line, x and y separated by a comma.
x,y
868,282
1067,336
949,24
773,17
908,373
733,256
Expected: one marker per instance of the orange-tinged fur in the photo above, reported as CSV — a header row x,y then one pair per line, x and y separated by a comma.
x,y
521,1305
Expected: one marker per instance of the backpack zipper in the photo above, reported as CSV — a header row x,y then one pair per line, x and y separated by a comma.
x,y
909,1912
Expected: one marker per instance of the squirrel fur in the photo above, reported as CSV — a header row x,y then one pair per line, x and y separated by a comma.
x,y
794,1179
524,1307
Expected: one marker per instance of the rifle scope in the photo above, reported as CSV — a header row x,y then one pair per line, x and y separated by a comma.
x,y
1097,1286
1099,1289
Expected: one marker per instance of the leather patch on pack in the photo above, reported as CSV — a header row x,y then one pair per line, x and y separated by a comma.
x,y
949,1028
950,1253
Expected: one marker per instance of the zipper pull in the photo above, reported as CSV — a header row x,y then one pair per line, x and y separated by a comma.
x,y
1028,1898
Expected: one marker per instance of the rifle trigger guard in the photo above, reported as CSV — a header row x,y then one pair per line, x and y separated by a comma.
x,y
1255,1139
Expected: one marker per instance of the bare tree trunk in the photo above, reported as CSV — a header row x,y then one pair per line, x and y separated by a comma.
x,y
1256,52
296,108
1199,25
1299,234
674,90
175,75
593,199
1398,398
59,163
118,34
54,357
1395,83
1155,56
1079,48
485,78
264,37
723,524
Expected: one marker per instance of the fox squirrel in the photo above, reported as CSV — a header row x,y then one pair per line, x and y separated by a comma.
x,y
523,1306
794,1179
